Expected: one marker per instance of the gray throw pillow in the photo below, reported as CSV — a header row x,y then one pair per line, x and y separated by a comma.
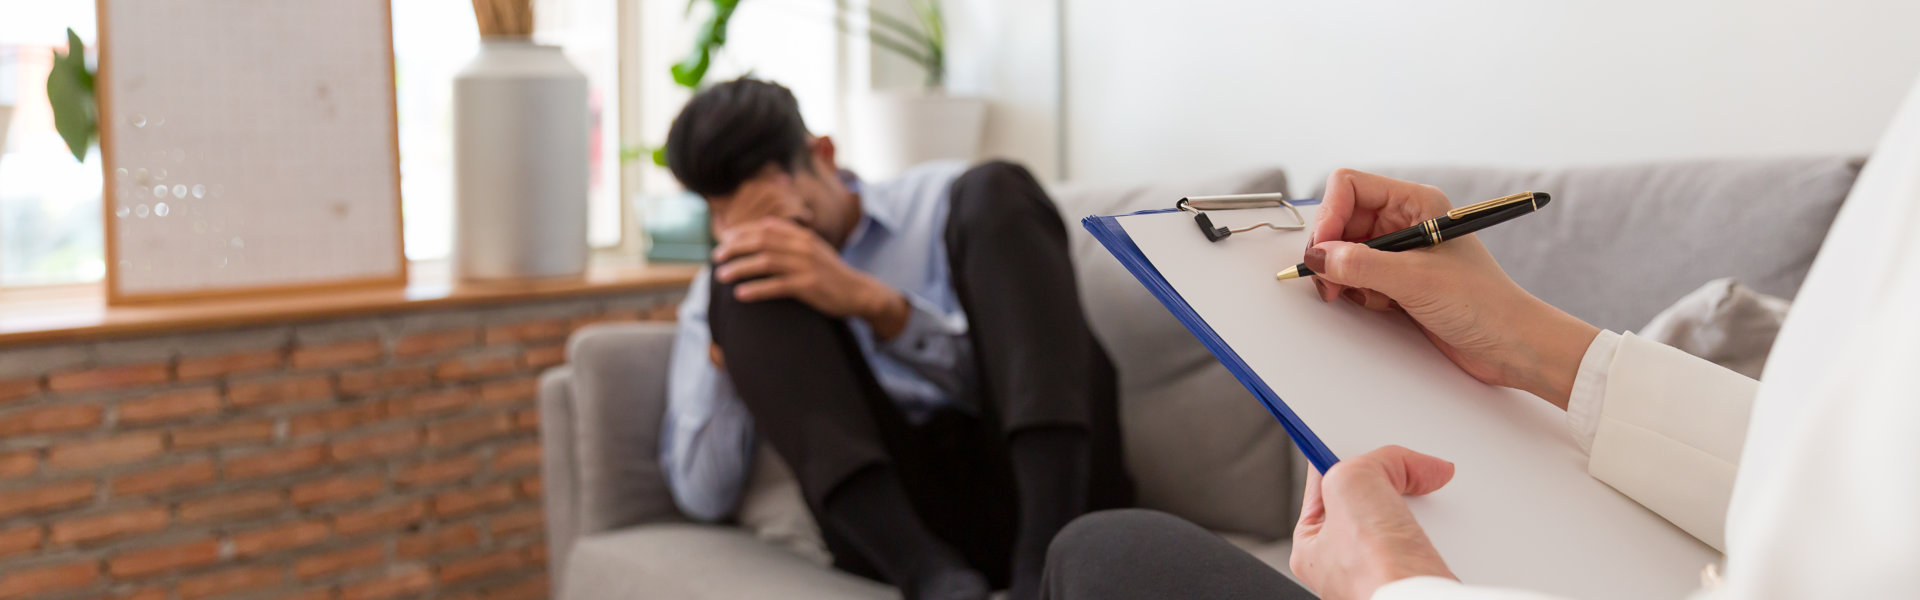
x,y
1724,322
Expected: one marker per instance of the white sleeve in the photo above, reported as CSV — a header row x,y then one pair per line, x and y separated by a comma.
x,y
1441,588
1590,387
1668,434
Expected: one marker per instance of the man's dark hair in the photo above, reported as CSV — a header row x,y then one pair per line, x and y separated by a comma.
x,y
729,132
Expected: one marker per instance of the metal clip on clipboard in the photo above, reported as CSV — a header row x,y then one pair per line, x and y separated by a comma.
x,y
1198,204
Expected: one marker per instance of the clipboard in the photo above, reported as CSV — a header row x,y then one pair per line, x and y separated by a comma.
x,y
1521,510
1107,230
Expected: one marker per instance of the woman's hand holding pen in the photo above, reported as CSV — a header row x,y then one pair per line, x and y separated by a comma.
x,y
1458,295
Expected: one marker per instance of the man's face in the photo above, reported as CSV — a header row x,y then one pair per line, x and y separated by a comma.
x,y
812,195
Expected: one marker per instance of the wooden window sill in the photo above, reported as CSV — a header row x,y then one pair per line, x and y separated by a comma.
x,y
80,312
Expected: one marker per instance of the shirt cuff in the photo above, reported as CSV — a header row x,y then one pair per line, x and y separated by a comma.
x,y
927,337
1590,389
1441,588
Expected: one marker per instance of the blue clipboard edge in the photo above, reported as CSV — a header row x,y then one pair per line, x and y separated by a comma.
x,y
1110,234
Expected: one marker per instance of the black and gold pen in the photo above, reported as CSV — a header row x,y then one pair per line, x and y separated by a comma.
x,y
1456,223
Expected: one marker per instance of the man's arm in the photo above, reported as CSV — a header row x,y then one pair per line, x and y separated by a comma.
x,y
707,437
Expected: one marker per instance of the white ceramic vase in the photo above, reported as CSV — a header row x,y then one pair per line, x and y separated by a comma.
x,y
520,147
893,131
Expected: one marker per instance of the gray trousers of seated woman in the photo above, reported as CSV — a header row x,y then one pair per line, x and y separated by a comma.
x,y
1134,553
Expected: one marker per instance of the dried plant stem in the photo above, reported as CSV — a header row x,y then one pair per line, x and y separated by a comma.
x,y
504,17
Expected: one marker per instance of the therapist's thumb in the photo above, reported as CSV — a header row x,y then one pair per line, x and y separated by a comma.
x,y
1355,265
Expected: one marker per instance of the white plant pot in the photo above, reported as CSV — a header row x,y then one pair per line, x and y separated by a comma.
x,y
6,118
893,131
520,147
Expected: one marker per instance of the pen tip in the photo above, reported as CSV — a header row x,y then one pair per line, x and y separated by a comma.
x,y
1540,200
1287,274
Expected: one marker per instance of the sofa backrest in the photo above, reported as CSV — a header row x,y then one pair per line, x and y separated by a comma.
x,y
1621,243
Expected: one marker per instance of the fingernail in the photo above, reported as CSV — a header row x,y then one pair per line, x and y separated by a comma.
x,y
1316,259
1355,296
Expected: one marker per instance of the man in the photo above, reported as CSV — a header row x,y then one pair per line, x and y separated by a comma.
x,y
914,349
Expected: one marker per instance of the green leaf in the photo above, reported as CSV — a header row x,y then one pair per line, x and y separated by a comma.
x,y
660,156
70,92
691,71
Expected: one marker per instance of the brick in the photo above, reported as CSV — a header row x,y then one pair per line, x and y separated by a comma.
x,y
117,450
171,406
528,331
82,530
337,354
279,391
338,561
161,559
107,378
458,502
665,311
519,455
275,462
198,471
281,537
530,486
46,497
536,553
531,588
380,444
437,471
231,505
485,564
230,364
337,489
475,367
226,433
512,391
382,518
526,420
526,519
399,582
152,593
466,430
541,357
50,419
15,389
338,419
14,465
435,342
368,381
48,579
433,402
227,582
611,316
420,545
19,540
320,593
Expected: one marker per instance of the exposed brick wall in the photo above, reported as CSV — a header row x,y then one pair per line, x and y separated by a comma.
x,y
382,457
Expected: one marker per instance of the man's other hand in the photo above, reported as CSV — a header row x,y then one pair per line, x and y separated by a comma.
x,y
773,258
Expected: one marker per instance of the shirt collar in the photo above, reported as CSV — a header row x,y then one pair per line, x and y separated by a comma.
x,y
875,207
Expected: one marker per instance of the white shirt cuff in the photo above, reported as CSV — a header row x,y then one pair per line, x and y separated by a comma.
x,y
1441,588
1590,389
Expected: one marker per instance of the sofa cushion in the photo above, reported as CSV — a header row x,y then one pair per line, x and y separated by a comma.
x,y
1724,322
1198,444
1621,243
695,562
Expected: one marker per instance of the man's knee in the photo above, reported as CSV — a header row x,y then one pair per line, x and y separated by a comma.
x,y
998,194
763,320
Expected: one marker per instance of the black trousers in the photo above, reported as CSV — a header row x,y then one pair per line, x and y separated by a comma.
x,y
1128,554
813,397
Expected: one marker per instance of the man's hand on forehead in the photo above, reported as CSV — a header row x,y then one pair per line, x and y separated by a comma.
x,y
769,194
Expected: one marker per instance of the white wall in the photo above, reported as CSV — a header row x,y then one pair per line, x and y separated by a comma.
x,y
1160,88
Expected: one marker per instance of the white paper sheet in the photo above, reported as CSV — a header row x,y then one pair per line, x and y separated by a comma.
x,y
1521,510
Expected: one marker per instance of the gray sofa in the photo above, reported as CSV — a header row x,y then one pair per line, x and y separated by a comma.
x,y
1619,244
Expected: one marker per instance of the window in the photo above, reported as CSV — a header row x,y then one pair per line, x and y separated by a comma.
x,y
50,230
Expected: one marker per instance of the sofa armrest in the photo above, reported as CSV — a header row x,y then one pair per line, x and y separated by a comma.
x,y
599,432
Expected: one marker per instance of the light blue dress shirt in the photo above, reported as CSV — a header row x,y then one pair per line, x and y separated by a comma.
x,y
707,438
